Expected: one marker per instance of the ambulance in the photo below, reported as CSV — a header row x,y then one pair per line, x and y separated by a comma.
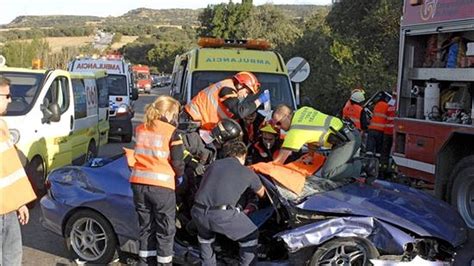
x,y
121,90
53,119
217,59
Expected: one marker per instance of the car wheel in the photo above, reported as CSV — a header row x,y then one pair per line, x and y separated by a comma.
x,y
35,170
345,251
90,237
91,151
462,192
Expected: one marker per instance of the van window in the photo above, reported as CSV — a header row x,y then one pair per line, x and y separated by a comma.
x,y
58,93
103,92
80,98
277,84
24,89
178,79
117,84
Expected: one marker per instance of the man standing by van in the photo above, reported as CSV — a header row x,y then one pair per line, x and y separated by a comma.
x,y
235,98
13,179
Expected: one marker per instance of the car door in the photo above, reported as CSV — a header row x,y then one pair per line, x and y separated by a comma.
x,y
56,135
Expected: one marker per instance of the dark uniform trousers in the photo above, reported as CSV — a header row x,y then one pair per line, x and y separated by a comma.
x,y
231,223
374,142
156,208
340,162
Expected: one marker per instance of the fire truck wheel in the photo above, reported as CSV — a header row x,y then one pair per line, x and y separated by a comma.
x,y
462,192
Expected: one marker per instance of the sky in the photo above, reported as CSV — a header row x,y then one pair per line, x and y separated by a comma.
x,y
10,9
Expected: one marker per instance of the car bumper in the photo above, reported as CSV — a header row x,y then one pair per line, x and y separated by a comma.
x,y
53,214
416,261
120,125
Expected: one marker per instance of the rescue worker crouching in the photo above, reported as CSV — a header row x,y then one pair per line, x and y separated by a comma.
x,y
158,161
235,98
215,209
312,127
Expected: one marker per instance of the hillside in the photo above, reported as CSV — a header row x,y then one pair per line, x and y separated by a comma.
x,y
143,16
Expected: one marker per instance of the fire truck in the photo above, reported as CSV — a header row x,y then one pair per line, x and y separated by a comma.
x,y
434,131
142,78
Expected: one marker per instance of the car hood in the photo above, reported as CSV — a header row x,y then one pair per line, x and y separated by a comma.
x,y
402,206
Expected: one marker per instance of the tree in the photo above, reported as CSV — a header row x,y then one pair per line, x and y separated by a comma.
x,y
224,20
21,53
163,55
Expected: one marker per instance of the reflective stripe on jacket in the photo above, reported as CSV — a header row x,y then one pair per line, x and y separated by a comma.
x,y
379,118
15,188
152,153
308,125
391,113
352,111
207,107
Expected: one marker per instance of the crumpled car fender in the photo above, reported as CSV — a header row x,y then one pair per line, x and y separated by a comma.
x,y
383,235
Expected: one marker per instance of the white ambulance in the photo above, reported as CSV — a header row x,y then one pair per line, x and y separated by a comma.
x,y
121,91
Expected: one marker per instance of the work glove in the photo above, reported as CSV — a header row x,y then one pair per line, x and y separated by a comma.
x,y
264,96
198,168
179,181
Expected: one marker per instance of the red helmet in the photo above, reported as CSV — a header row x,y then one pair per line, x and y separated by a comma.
x,y
248,80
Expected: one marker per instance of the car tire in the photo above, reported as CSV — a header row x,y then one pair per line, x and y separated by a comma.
x,y
127,138
345,251
36,172
90,237
462,192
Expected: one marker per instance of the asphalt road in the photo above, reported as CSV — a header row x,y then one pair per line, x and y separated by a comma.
x,y
41,247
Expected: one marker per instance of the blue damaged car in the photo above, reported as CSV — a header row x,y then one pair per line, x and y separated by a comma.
x,y
342,222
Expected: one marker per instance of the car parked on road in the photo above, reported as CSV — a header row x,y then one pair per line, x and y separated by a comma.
x,y
332,222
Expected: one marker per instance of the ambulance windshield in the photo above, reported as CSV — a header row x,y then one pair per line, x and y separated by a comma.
x,y
277,84
24,89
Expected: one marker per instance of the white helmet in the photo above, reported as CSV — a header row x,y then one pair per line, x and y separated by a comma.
x,y
357,96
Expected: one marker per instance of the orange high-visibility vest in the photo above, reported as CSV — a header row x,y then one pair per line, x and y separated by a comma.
x,y
391,113
15,188
352,111
292,175
379,118
152,153
264,153
207,108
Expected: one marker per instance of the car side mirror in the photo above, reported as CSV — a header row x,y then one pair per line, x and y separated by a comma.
x,y
134,95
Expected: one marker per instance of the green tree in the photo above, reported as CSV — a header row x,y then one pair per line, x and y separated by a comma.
x,y
163,55
224,20
21,53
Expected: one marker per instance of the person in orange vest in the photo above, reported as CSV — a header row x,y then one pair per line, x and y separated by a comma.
x,y
388,131
377,126
158,167
15,189
354,111
235,98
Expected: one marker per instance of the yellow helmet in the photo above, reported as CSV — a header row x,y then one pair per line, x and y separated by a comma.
x,y
269,129
358,96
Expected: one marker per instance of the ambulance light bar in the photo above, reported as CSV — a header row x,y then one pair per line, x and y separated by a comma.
x,y
206,42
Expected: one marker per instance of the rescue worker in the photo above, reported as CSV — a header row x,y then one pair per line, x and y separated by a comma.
x,y
215,210
354,111
312,127
15,190
250,127
388,132
377,127
227,98
158,167
267,147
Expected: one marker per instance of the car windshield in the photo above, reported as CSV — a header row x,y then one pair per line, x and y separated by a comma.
x,y
24,89
277,84
313,185
141,76
117,84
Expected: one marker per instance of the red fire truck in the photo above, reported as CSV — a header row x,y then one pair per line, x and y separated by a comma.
x,y
142,78
434,132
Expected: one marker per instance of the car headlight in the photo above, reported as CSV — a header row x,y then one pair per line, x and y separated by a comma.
x,y
123,108
14,136
147,86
